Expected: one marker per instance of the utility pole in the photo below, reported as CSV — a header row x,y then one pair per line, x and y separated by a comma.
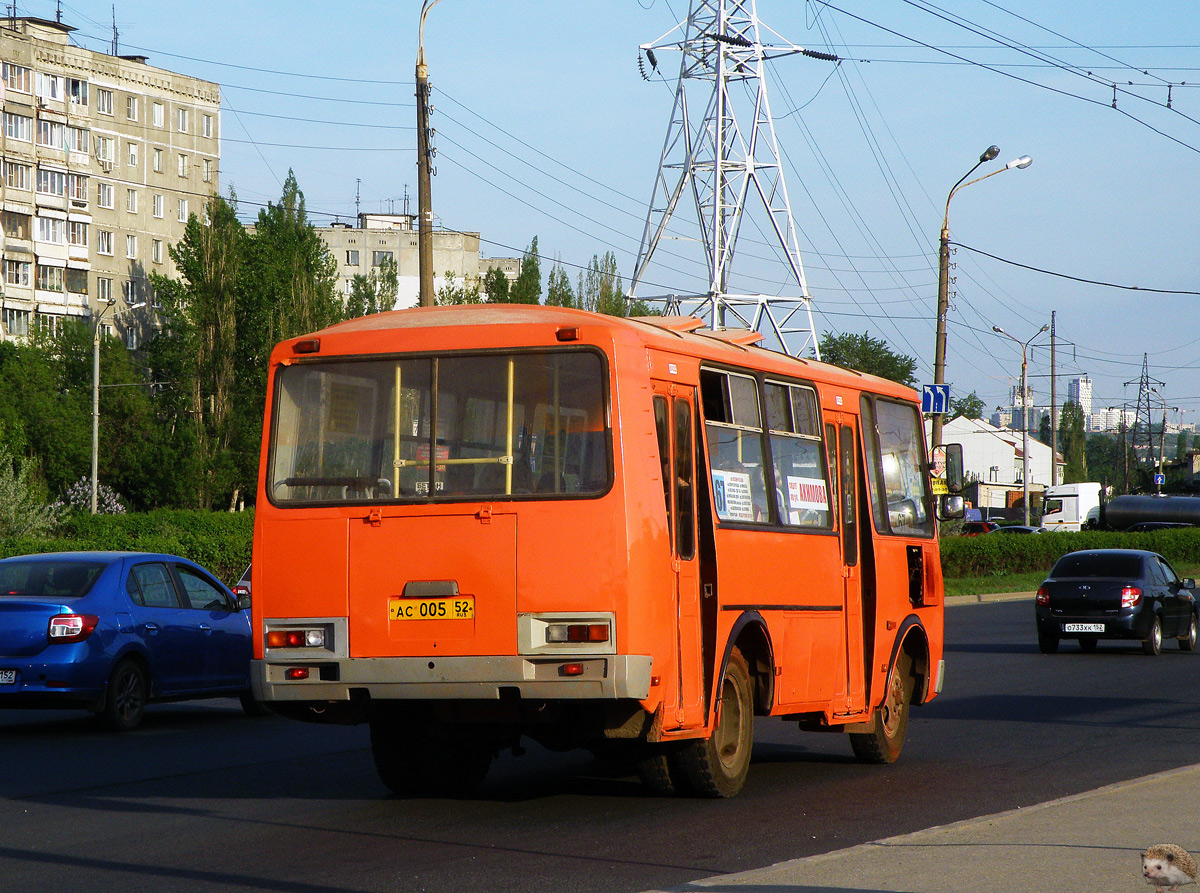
x,y
1053,409
424,172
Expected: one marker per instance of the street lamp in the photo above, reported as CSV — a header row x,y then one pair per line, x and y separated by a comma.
x,y
96,392
1024,409
943,304
424,154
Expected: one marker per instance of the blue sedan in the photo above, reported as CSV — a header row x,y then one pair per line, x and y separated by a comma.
x,y
111,631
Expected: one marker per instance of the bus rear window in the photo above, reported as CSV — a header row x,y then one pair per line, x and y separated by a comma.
x,y
467,426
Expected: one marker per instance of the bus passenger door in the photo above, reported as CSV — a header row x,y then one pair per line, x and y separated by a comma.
x,y
842,441
674,412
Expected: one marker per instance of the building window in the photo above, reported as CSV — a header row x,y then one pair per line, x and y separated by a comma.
x,y
104,241
16,176
158,156
131,338
181,120
207,126
53,230
49,278
183,211
378,257
104,149
131,108
183,165
75,281
156,251
133,154
207,170
104,101
77,233
16,322
158,205
77,90
50,133
18,127
158,114
51,182
129,289
131,201
352,257
77,138
17,272
49,86
103,289
46,323
131,246
16,225
77,189
18,77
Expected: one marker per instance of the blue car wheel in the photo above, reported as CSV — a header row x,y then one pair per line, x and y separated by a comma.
x,y
125,699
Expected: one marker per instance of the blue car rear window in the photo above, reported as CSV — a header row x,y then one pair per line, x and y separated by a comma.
x,y
48,579
1083,565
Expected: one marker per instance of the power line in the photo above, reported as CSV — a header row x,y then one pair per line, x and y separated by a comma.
x,y
1160,291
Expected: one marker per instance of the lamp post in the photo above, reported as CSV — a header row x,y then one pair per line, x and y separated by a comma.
x,y
1024,409
96,393
943,303
424,154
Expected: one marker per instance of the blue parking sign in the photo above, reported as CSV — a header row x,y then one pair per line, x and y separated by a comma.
x,y
935,399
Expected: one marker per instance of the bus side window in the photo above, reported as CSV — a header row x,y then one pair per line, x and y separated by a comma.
x,y
733,429
831,450
802,497
662,428
684,476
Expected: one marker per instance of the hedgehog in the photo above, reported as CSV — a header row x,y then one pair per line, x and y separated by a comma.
x,y
1168,865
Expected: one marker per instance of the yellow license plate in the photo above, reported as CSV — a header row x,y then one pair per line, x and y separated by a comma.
x,y
459,608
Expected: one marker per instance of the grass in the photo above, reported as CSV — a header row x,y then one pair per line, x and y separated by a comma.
x,y
993,583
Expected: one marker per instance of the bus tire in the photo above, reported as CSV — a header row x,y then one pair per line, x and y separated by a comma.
x,y
412,761
661,770
883,745
717,766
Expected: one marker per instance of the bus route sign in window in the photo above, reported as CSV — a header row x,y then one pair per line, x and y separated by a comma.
x,y
467,426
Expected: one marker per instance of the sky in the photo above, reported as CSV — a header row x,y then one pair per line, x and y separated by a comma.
x,y
546,128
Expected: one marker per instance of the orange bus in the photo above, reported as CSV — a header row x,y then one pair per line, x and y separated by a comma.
x,y
476,524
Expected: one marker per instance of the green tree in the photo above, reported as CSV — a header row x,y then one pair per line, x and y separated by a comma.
x,y
375,291
969,407
1181,445
558,288
453,292
496,286
1043,431
1072,438
870,355
601,290
528,287
1105,461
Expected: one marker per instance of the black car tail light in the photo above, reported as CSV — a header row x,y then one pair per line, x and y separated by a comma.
x,y
1043,596
1131,596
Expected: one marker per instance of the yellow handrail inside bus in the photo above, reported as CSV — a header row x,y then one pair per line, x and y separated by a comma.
x,y
508,465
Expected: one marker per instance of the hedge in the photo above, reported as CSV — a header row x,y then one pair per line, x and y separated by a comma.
x,y
219,541
999,553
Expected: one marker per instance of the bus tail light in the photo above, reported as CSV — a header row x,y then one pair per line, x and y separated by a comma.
x,y
296,638
577,632
65,628
1130,597
293,674
573,669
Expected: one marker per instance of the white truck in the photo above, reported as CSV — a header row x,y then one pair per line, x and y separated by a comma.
x,y
1067,506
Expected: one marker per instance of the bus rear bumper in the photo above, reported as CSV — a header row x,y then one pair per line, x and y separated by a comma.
x,y
607,677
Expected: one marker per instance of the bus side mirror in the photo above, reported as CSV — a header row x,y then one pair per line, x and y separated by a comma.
x,y
954,467
951,508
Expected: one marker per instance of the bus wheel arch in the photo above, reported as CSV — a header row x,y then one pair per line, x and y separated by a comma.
x,y
752,638
906,684
913,641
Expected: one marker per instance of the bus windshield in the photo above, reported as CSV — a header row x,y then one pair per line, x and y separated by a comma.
x,y
495,425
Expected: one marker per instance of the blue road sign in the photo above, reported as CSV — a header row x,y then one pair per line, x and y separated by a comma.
x,y
935,398
1159,480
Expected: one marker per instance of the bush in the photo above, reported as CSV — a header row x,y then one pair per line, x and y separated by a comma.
x,y
22,511
219,541
990,554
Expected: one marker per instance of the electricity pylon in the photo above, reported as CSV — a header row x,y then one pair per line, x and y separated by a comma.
x,y
722,151
1143,433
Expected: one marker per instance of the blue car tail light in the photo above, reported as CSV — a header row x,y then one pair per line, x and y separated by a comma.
x,y
65,628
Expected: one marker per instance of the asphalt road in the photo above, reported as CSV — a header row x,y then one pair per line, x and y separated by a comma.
x,y
202,798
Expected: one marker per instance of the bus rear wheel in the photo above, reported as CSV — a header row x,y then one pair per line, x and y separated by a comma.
x,y
660,768
717,766
414,759
884,743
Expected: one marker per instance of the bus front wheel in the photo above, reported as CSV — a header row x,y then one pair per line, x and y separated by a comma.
x,y
884,743
717,766
413,759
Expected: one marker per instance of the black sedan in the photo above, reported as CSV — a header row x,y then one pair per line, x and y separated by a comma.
x,y
1115,594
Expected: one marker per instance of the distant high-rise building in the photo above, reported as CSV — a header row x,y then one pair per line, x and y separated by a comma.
x,y
102,159
1079,390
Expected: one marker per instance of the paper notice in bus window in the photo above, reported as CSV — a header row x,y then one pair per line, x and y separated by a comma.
x,y
731,494
807,493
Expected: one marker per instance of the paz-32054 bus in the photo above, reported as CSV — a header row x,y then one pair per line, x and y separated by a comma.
x,y
631,535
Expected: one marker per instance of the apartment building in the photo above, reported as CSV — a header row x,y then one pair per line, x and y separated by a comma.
x,y
102,158
361,249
